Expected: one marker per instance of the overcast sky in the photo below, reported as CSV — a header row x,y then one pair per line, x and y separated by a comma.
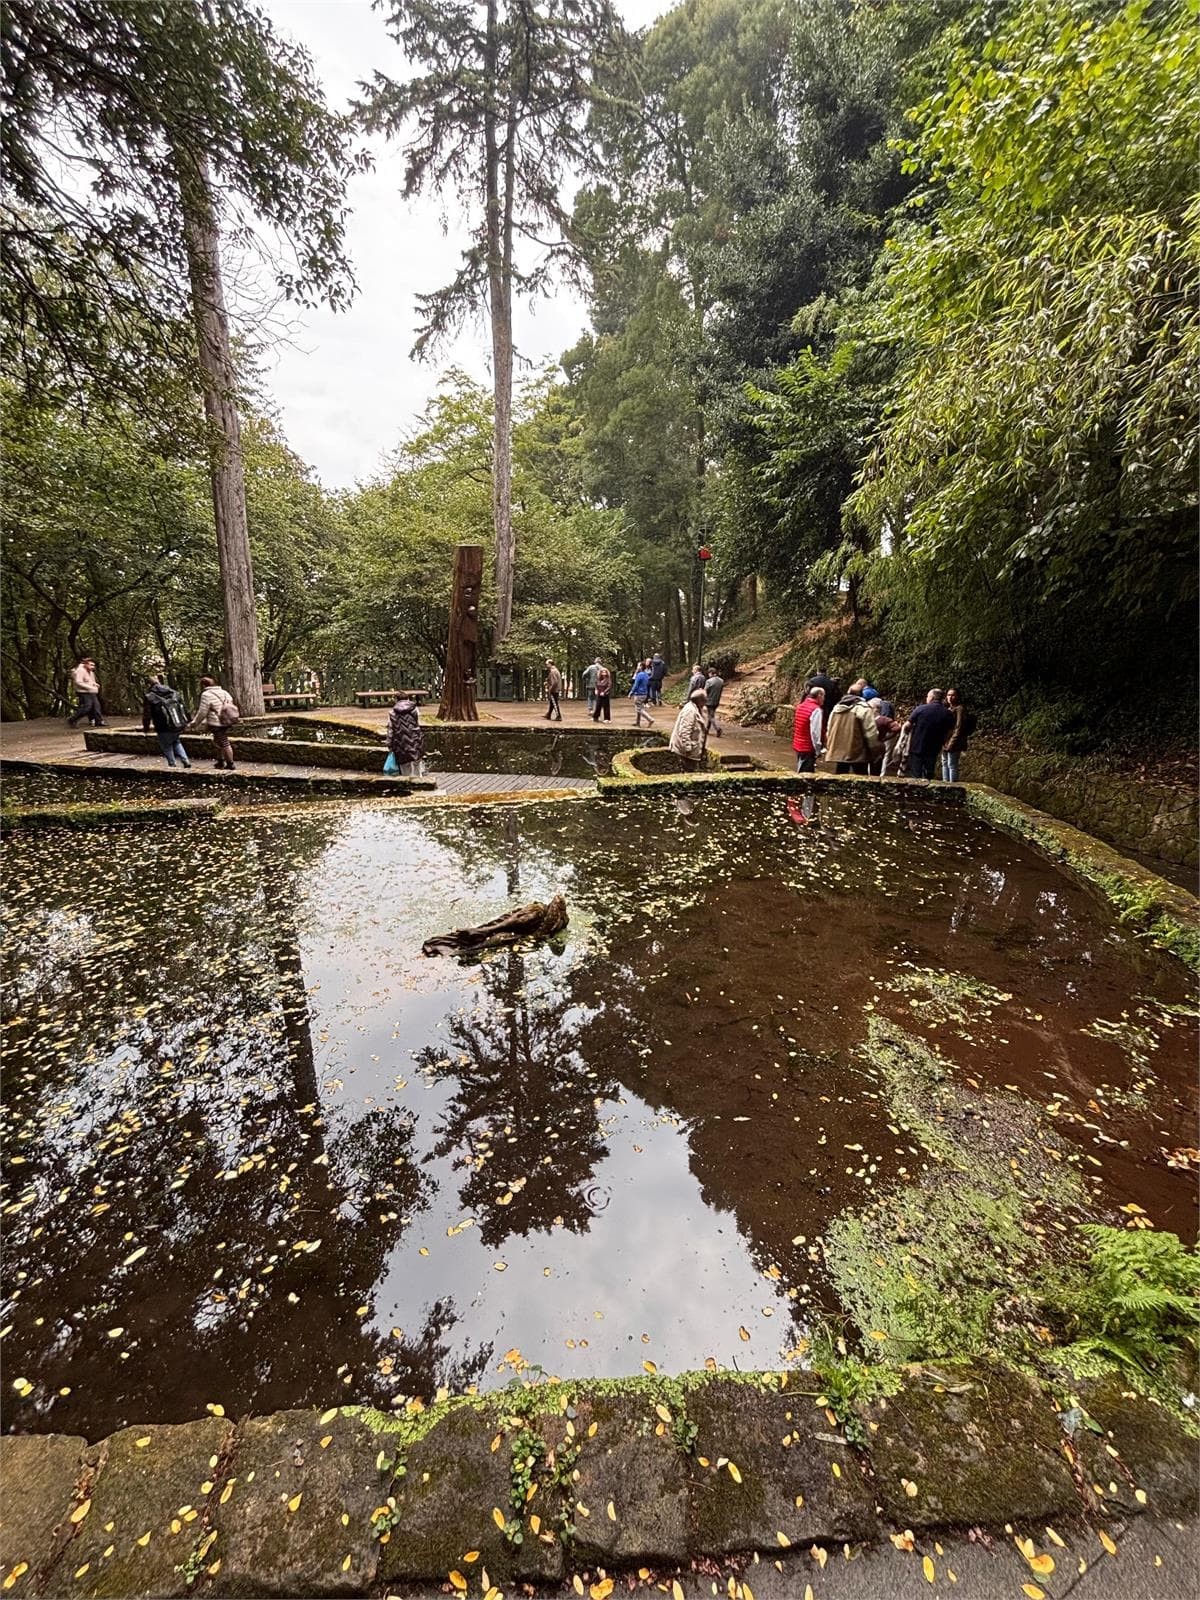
x,y
345,385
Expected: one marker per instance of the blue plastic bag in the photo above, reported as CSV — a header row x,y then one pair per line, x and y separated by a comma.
x,y
390,765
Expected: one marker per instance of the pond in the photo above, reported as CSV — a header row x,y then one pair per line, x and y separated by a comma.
x,y
264,1154
580,753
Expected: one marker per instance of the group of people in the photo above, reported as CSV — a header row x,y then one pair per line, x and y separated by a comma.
x,y
598,683
859,731
216,713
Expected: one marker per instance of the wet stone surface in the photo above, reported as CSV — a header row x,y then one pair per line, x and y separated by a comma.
x,y
1142,1459
148,1510
39,1478
966,1446
262,1153
297,1519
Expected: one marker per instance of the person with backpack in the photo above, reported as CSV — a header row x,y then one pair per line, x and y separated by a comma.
x,y
658,671
163,708
218,713
964,727
405,740
604,688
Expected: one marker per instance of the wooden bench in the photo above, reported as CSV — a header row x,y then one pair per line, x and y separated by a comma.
x,y
382,697
279,702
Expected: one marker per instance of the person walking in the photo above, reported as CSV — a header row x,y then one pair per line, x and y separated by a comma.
x,y
930,726
553,688
163,708
218,713
964,727
696,681
658,671
603,695
404,737
590,674
714,688
87,692
639,693
820,679
806,729
691,730
852,742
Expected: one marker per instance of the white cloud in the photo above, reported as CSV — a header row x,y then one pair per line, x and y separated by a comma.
x,y
345,384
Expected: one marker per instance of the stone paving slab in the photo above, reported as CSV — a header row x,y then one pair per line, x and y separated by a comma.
x,y
966,1445
796,1475
628,1497
149,1501
454,1483
295,1515
40,1476
1141,1448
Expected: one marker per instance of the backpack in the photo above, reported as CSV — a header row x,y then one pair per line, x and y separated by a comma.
x,y
229,714
174,712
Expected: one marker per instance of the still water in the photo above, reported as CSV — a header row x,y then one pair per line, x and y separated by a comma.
x,y
263,1153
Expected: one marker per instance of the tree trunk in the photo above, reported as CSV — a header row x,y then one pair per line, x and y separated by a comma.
x,y
499,180
752,595
202,240
458,685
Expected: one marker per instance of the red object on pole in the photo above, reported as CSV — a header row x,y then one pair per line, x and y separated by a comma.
x,y
704,553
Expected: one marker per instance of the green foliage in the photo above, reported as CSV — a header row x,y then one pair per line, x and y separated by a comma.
x,y
1136,1302
104,97
846,1382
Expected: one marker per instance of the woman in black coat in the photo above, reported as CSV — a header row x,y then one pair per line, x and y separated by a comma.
x,y
404,736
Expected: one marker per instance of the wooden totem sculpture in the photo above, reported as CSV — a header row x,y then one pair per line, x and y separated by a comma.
x,y
458,688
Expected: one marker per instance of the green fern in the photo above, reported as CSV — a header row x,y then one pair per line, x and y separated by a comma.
x,y
1141,1296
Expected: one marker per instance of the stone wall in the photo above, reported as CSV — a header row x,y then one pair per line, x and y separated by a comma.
x,y
558,1483
1153,819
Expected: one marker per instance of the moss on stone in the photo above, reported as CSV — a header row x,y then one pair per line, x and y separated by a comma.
x,y
17,819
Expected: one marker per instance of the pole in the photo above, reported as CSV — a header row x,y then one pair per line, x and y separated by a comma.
x,y
700,615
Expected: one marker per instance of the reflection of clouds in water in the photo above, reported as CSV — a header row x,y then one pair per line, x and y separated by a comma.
x,y
47,960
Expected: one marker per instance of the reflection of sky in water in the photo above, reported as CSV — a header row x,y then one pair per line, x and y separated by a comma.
x,y
226,1044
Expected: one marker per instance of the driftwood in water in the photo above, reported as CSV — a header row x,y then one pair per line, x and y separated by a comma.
x,y
534,921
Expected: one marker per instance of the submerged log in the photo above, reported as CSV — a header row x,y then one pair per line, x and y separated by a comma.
x,y
534,921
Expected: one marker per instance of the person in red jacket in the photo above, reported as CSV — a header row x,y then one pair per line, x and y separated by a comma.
x,y
807,730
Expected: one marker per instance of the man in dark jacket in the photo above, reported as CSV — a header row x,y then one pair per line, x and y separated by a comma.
x,y
163,709
931,725
658,671
833,689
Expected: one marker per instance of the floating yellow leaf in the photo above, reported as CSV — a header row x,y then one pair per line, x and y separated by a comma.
x,y
744,1333
493,1594
20,1568
1054,1538
1043,1565
326,1441
612,1512
81,1511
1107,1543
837,1471
602,1590
495,1444
458,1581
928,1568
1140,1496
808,1591
784,1541
1032,1590
733,1472
498,1516
500,1266
227,1491
676,1590
329,1415
471,1557
143,1541
135,1256
577,1584
648,1366
294,1502
346,1563
140,1444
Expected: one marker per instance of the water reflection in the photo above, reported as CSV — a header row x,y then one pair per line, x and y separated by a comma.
x,y
262,1153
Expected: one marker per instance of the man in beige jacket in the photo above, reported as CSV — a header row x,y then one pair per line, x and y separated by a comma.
x,y
87,688
691,730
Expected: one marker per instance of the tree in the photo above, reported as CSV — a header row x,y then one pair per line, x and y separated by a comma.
x,y
130,128
1038,465
497,111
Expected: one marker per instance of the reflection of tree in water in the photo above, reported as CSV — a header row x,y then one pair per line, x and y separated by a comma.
x,y
182,1114
524,1118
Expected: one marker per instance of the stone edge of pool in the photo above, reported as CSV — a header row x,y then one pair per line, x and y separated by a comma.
x,y
539,1482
